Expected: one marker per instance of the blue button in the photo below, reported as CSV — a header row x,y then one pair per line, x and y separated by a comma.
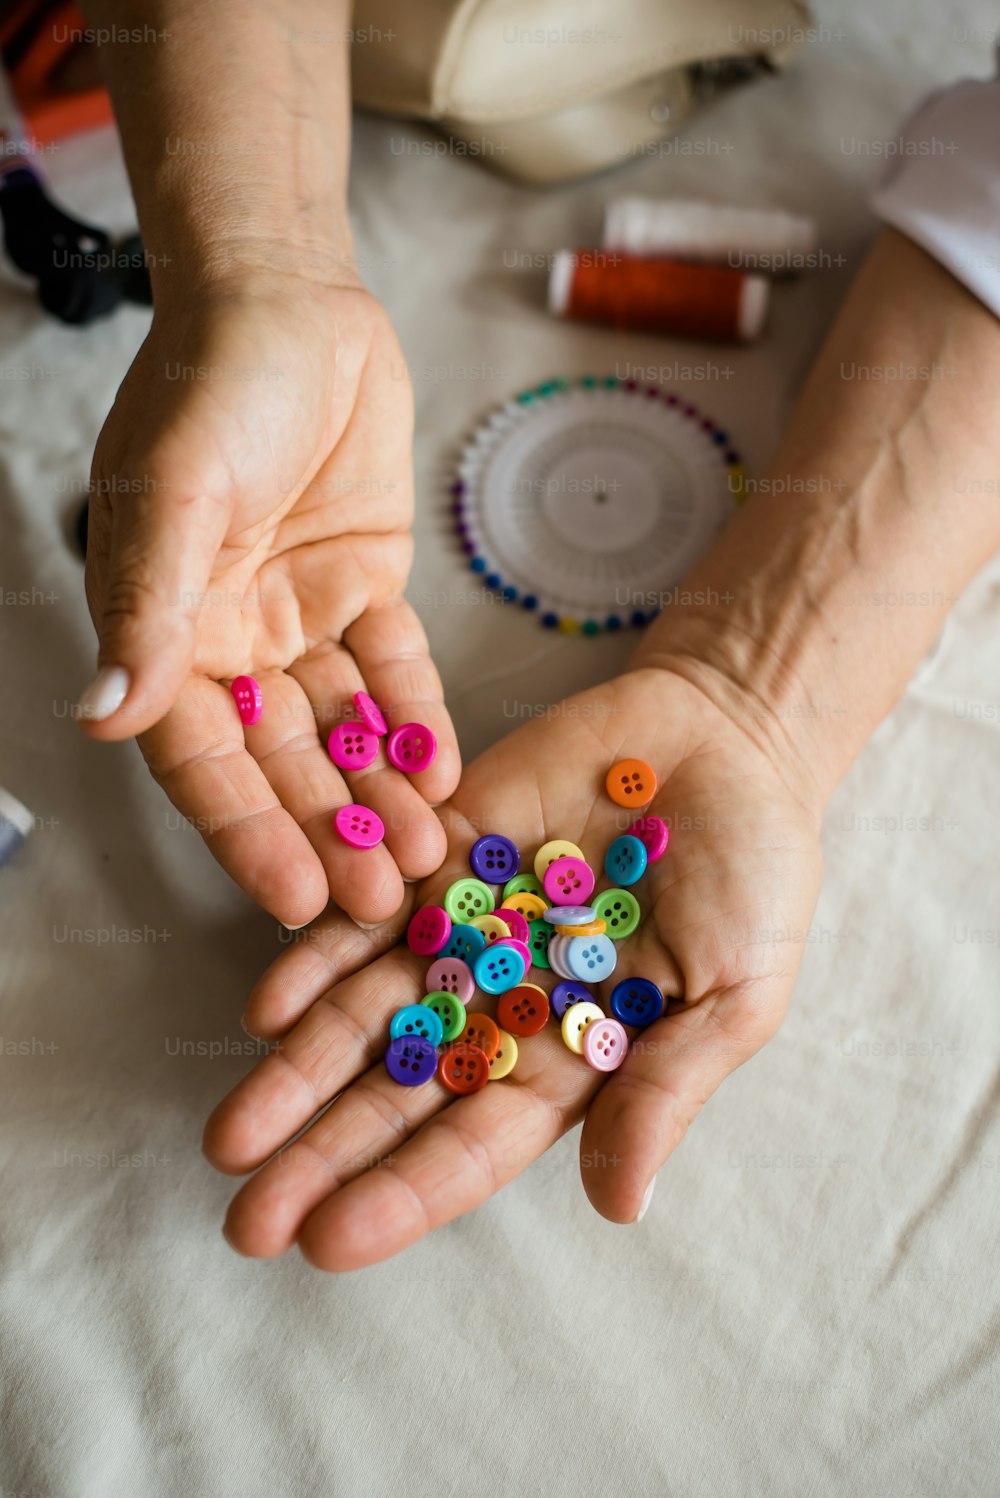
x,y
417,1019
626,859
465,942
636,1001
494,859
498,969
565,995
591,958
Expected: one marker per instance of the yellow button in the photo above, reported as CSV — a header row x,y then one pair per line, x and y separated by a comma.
x,y
491,926
575,1022
532,907
549,852
505,1059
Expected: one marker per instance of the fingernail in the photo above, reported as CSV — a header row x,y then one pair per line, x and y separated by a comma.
x,y
295,928
105,694
365,926
646,1200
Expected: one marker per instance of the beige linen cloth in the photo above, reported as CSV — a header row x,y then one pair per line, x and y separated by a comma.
x,y
811,1305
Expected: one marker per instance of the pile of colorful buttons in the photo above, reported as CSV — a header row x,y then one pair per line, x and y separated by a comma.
x,y
354,745
483,940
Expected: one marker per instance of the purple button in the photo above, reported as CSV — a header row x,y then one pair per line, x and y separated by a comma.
x,y
411,1060
352,746
370,713
565,995
411,747
494,859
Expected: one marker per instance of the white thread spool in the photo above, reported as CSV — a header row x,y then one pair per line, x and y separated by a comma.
x,y
764,239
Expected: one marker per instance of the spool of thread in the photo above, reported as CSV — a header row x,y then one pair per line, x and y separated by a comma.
x,y
659,296
16,822
765,239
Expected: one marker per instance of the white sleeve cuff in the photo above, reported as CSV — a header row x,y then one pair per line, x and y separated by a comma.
x,y
943,188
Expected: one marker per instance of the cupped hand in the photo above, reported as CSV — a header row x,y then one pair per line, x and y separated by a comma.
x,y
250,514
725,915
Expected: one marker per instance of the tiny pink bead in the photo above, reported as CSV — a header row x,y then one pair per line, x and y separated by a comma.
x,y
249,699
653,833
359,826
429,929
352,746
451,975
514,920
370,713
605,1044
568,881
411,747
519,946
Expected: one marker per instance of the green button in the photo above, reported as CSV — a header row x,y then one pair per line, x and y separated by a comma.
x,y
538,942
619,911
525,884
468,898
449,1010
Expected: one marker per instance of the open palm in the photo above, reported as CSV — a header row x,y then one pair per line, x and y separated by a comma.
x,y
252,500
386,1164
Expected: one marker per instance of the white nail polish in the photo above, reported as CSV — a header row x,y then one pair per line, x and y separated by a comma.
x,y
646,1200
105,694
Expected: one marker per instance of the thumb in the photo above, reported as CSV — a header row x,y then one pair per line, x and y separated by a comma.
x,y
147,573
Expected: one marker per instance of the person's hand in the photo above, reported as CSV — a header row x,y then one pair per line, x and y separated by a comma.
x,y
725,917
250,513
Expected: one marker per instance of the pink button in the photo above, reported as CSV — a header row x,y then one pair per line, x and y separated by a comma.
x,y
605,1044
519,946
370,713
359,826
451,975
653,833
352,746
515,922
568,881
249,699
429,929
411,747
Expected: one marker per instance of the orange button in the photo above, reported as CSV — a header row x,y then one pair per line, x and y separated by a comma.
x,y
480,1030
631,782
592,928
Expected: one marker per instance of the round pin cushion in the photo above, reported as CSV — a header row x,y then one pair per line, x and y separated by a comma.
x,y
585,501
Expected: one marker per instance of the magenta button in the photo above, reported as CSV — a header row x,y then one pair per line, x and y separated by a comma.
x,y
370,713
411,747
428,931
352,746
249,700
358,826
569,881
515,922
653,833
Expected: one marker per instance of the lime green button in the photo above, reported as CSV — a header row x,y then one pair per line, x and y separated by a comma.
x,y
538,941
619,911
449,1010
525,884
467,898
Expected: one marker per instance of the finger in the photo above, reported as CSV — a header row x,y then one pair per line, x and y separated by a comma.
x,y
643,1111
331,950
198,755
338,1038
390,647
286,745
146,575
413,834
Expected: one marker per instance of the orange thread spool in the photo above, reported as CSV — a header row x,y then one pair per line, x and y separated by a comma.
x,y
659,296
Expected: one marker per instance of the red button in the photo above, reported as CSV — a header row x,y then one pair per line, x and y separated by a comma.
x,y
480,1030
464,1068
524,1010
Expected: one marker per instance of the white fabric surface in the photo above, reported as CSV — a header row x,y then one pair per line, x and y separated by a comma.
x,y
810,1306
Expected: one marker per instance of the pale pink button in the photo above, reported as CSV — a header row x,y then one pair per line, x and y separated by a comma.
x,y
411,747
249,700
352,746
359,826
605,1044
451,975
429,929
568,881
370,713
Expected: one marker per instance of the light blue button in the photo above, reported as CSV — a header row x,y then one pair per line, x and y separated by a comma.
x,y
499,968
416,1019
626,859
590,958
